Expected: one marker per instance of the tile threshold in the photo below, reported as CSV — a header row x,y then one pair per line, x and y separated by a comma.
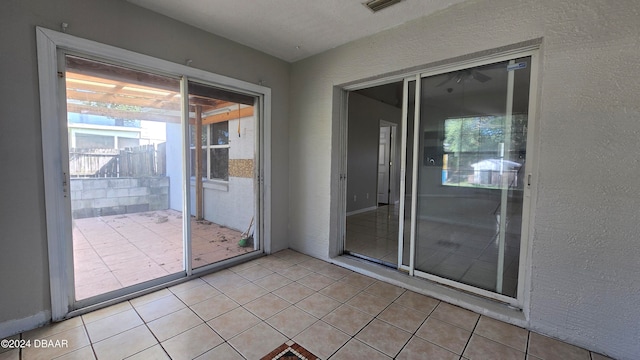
x,y
479,305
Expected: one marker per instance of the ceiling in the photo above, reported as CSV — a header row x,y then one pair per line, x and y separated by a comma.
x,y
390,94
292,29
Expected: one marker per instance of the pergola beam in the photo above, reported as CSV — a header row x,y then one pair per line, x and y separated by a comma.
x,y
118,98
90,88
231,115
160,117
122,114
87,94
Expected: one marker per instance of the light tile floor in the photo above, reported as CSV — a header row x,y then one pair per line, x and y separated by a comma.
x,y
247,311
464,254
112,252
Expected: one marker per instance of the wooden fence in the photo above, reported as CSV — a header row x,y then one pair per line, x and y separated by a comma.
x,y
139,161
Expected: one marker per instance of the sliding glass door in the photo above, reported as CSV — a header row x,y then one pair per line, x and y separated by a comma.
x,y
157,189
130,208
470,179
465,178
124,168
223,174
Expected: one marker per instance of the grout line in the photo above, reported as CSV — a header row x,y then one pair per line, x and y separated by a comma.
x,y
84,325
205,322
471,335
418,328
375,317
148,328
99,256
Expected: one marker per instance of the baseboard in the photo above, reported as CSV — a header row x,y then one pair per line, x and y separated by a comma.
x,y
16,326
371,208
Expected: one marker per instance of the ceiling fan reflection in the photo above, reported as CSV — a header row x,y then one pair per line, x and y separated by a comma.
x,y
465,76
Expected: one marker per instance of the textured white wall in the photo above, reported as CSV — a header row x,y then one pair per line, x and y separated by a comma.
x,y
234,206
23,258
585,282
243,146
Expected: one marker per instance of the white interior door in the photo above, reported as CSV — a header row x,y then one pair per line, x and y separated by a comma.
x,y
384,151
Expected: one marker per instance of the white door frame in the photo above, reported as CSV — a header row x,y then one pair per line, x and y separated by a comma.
x,y
531,166
56,182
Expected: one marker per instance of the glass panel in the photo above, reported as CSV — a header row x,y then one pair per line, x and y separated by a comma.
x,y
373,175
220,133
203,136
93,141
219,164
470,181
223,214
125,198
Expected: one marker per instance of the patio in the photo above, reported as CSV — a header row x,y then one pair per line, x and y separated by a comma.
x,y
112,252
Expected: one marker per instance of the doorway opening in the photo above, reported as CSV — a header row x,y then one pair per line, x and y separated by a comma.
x,y
126,174
373,174
464,174
154,171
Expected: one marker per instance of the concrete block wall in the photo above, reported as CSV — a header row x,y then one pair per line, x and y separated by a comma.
x,y
102,197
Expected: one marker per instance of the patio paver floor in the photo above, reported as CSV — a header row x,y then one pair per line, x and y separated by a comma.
x,y
112,252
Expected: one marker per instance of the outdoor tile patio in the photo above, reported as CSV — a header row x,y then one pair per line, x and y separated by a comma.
x,y
112,252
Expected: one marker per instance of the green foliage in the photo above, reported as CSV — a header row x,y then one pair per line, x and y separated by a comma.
x,y
474,134
470,140
483,134
121,107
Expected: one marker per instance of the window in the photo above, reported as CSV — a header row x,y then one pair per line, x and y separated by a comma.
x,y
219,151
475,154
91,141
124,142
214,151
